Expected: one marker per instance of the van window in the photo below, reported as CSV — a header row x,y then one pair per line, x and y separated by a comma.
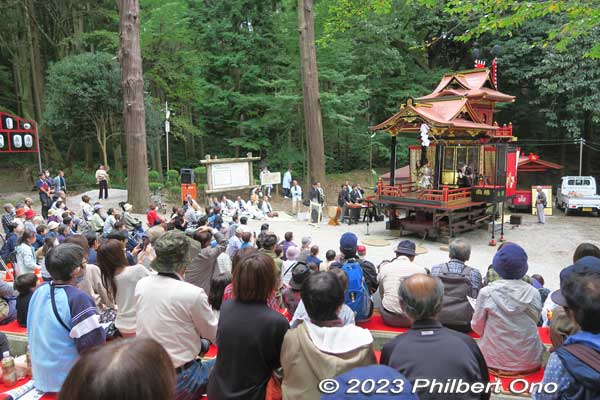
x,y
587,182
571,182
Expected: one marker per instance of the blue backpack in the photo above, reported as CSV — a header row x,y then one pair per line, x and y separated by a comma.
x,y
357,295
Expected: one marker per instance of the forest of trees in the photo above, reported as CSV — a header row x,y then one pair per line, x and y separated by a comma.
x,y
230,72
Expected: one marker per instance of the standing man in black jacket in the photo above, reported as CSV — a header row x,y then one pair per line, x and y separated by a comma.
x,y
343,201
429,353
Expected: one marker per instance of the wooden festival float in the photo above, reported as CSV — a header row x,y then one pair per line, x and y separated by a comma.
x,y
458,132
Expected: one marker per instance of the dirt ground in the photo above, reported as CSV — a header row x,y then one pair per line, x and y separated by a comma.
x,y
550,247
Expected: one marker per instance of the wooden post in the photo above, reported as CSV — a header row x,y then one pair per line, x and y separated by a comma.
x,y
310,90
445,193
393,161
134,120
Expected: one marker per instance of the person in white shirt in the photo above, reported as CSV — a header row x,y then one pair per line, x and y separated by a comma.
x,y
390,276
176,314
286,183
296,191
102,180
267,209
291,255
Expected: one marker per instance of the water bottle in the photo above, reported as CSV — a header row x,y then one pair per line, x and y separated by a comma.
x,y
8,369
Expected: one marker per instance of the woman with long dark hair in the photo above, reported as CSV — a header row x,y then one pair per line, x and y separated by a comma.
x,y
120,280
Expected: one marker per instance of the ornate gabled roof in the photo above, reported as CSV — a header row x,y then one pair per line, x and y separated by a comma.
x,y
442,112
470,83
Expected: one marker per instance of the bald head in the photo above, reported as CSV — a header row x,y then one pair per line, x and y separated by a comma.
x,y
421,296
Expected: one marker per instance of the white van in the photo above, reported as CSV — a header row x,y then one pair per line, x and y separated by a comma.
x,y
578,193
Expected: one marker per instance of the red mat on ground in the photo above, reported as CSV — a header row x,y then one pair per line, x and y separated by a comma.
x,y
376,324
13,327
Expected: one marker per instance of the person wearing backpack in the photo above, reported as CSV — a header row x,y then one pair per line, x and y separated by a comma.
x,y
460,281
362,278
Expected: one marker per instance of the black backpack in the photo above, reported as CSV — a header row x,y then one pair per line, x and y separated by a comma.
x,y
456,311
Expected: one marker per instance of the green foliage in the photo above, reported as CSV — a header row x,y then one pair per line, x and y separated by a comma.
x,y
153,176
199,174
79,177
83,98
172,176
579,21
174,193
154,186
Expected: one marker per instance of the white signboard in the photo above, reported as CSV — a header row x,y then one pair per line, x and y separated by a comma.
x,y
230,175
271,178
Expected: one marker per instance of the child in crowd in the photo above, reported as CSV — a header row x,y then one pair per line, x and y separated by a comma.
x,y
217,289
313,257
41,231
246,240
291,294
329,258
278,251
49,243
24,284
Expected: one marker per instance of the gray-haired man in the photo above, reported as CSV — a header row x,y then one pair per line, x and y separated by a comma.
x,y
460,281
429,352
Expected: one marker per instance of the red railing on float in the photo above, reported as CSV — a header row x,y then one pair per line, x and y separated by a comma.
x,y
444,195
503,131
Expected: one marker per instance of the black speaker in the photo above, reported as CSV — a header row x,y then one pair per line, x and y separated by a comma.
x,y
515,220
187,175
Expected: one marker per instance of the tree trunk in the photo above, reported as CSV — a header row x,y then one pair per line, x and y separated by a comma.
x,y
310,90
134,125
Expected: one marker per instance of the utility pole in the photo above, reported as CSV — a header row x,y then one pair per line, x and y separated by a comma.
x,y
167,130
581,141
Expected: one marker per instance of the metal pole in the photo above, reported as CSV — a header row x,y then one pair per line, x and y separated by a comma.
x,y
502,227
167,132
580,154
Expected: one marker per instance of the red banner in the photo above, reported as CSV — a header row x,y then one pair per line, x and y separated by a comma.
x,y
17,135
511,173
